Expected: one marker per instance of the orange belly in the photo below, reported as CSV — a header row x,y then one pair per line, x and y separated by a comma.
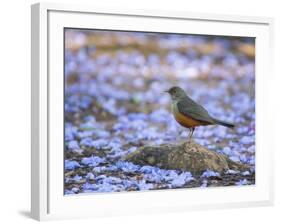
x,y
187,121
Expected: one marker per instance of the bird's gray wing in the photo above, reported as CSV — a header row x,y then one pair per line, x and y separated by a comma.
x,y
194,110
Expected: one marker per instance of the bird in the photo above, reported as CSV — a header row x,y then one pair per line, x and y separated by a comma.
x,y
190,114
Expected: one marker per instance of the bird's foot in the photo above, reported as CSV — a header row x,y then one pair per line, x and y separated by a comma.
x,y
190,140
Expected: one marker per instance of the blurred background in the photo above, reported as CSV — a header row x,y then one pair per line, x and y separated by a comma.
x,y
115,103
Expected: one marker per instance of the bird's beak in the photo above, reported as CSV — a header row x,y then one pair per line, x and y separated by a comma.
x,y
166,91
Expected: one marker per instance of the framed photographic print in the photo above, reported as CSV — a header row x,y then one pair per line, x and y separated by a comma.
x,y
143,111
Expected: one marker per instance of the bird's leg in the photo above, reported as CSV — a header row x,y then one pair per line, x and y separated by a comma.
x,y
189,134
191,130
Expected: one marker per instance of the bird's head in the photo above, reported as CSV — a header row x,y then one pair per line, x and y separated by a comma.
x,y
176,93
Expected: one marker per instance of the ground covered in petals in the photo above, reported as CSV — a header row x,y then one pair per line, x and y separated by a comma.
x,y
115,103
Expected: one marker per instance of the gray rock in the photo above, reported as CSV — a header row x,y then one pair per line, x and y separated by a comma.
x,y
187,156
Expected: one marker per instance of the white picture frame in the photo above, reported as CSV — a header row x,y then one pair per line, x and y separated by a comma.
x,y
48,201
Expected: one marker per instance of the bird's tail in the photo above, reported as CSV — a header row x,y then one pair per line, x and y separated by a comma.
x,y
223,123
